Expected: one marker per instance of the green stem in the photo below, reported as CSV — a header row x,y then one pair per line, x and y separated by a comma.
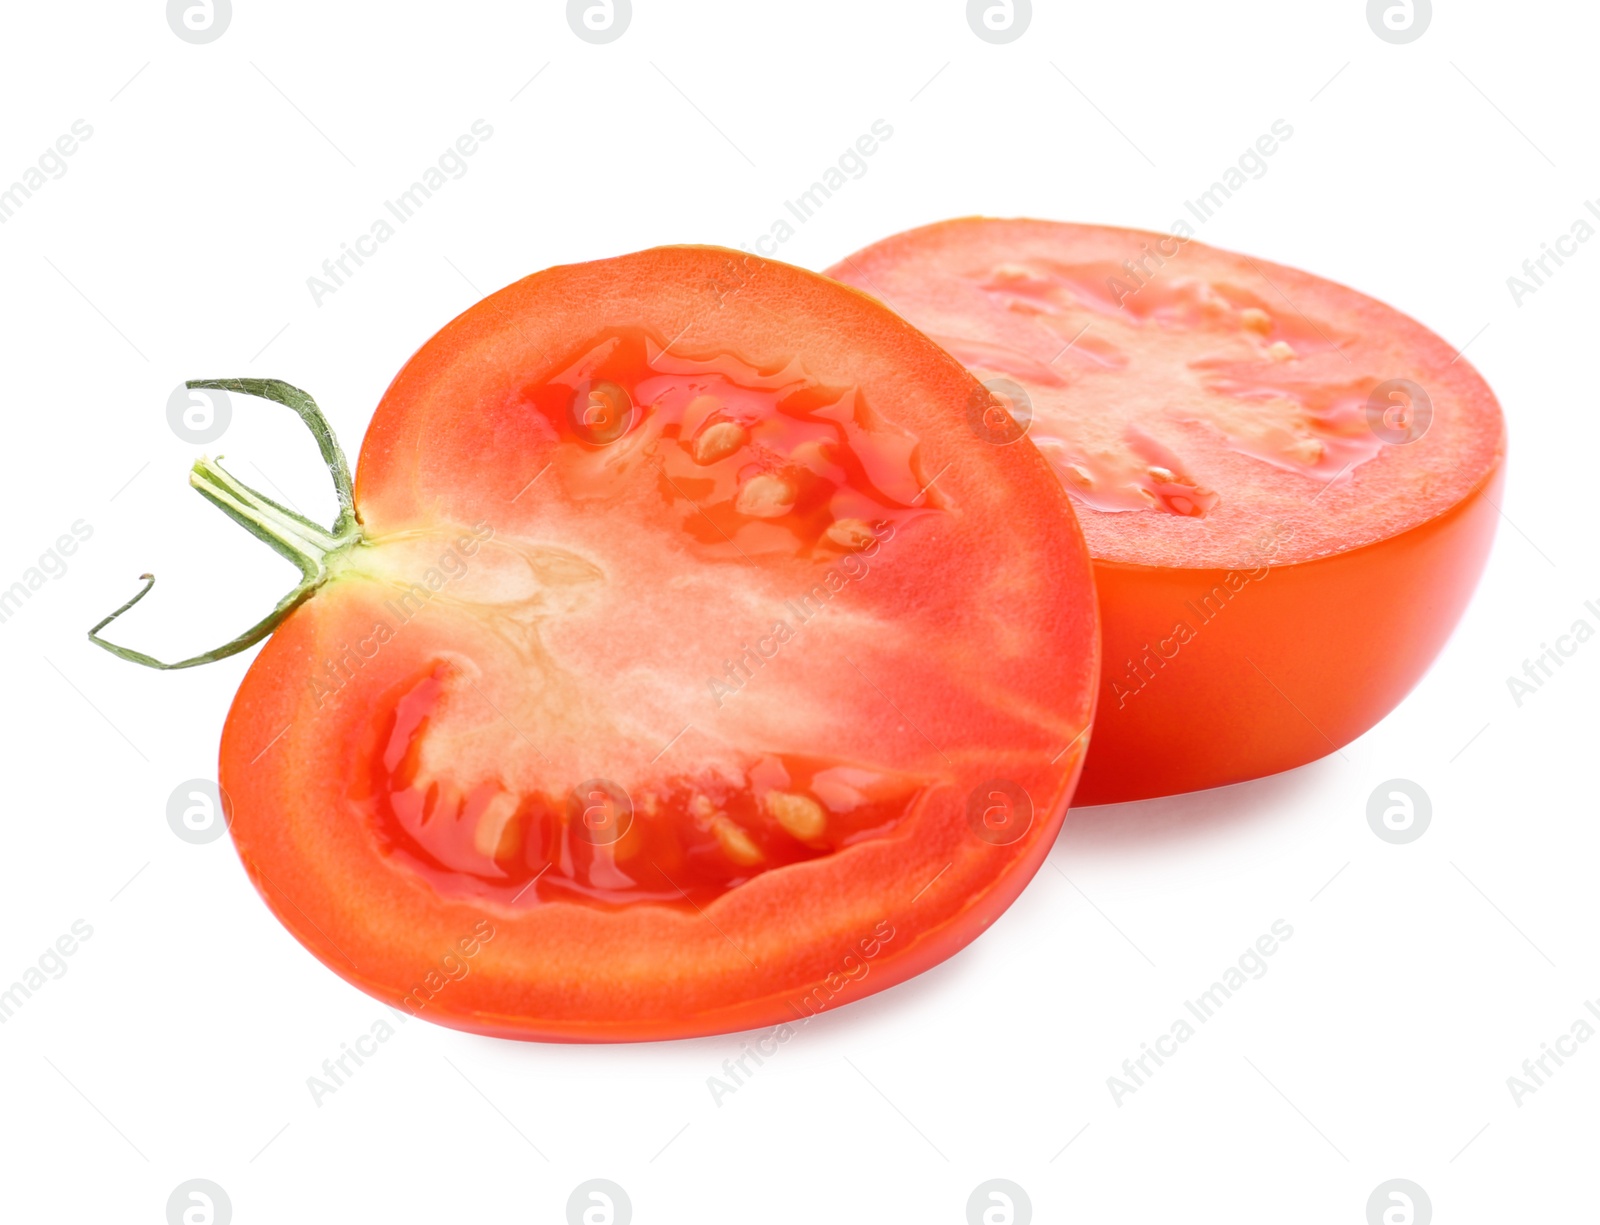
x,y
292,397
293,535
305,543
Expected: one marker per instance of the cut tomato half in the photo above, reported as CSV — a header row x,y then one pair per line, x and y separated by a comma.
x,y
683,663
1288,488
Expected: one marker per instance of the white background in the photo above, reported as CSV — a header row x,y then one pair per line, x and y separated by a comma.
x,y
178,244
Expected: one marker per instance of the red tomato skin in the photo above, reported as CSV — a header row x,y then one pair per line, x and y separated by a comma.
x,y
1300,661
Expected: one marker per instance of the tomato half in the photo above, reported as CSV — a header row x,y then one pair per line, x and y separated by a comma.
x,y
689,664
1288,488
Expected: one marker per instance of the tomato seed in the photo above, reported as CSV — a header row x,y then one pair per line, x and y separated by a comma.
x,y
800,815
1255,319
765,496
851,533
719,440
736,844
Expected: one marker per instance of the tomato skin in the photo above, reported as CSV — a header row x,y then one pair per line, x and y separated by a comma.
x,y
1303,659
455,443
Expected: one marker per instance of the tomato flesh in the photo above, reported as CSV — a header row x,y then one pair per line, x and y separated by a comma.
x,y
669,654
1253,453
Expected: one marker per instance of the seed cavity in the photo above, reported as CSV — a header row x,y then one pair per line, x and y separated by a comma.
x,y
765,496
800,816
719,440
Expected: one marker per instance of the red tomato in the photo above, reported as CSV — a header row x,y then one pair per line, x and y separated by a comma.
x,y
690,664
1288,488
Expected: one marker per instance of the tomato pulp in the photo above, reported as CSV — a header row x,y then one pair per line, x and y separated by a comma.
x,y
1288,488
659,685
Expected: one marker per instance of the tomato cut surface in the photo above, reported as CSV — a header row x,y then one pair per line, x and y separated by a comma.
x,y
1287,487
695,649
